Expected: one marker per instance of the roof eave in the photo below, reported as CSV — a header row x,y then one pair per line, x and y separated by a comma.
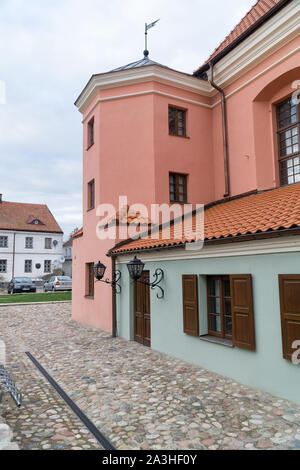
x,y
217,241
199,72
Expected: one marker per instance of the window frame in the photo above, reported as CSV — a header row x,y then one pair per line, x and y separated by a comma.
x,y
5,239
31,244
91,195
29,270
90,281
177,109
3,271
177,185
282,130
49,264
91,133
48,247
222,334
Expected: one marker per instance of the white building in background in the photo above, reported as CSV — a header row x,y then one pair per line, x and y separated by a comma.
x,y
67,266
31,241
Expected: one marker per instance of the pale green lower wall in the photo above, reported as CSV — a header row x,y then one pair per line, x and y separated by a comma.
x,y
264,369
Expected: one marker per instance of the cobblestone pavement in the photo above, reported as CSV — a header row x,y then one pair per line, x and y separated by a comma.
x,y
138,398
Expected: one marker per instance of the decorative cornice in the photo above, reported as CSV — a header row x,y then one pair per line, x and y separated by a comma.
x,y
140,75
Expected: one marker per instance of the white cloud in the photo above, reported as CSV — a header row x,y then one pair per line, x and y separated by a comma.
x,y
48,52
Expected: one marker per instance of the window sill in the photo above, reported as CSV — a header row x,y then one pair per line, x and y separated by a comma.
x,y
215,340
90,209
90,146
180,136
89,297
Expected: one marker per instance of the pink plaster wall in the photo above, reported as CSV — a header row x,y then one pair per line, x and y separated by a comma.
x,y
133,154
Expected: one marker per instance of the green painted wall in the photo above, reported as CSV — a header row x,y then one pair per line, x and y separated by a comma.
x,y
264,369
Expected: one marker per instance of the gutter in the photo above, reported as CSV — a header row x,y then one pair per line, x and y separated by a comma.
x,y
224,127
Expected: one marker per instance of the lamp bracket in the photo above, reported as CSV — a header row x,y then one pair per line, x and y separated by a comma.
x,y
115,282
158,278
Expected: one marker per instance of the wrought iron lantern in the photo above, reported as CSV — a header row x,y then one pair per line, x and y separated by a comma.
x,y
99,273
136,269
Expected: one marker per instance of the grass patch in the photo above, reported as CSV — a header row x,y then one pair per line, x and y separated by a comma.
x,y
30,298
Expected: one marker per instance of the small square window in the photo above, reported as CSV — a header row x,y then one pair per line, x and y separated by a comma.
x,y
28,266
47,266
29,243
91,133
90,280
91,195
48,243
177,122
3,242
178,188
3,265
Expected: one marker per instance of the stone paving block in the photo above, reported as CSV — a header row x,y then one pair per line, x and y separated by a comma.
x,y
139,398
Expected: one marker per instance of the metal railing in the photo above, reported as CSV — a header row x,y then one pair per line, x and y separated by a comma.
x,y
8,385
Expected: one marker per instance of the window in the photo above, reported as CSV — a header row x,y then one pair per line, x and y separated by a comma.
x,y
28,266
47,266
91,134
219,307
90,280
3,265
177,122
91,195
230,316
178,188
29,242
289,288
288,124
3,242
48,243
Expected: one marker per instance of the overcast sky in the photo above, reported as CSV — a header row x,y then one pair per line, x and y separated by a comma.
x,y
50,48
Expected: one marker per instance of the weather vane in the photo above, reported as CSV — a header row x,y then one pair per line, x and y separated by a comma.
x,y
147,27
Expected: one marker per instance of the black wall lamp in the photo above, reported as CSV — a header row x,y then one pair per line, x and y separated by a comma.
x,y
99,272
136,268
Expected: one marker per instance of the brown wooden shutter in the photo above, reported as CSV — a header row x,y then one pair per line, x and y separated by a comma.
x,y
289,289
243,331
190,305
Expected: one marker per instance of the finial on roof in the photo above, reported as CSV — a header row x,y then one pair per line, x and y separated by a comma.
x,y
147,27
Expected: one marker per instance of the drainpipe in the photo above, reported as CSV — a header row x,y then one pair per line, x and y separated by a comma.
x,y
114,300
224,126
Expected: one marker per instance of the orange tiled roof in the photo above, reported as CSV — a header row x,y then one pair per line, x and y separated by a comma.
x,y
261,8
259,213
19,216
77,234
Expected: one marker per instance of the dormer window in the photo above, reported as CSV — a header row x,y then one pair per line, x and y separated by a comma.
x,y
34,221
288,124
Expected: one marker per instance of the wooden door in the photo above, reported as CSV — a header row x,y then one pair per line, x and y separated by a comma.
x,y
142,312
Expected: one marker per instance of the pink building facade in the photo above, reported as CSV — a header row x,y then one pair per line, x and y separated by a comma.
x,y
130,149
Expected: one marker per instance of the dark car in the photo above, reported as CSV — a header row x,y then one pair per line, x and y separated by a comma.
x,y
21,284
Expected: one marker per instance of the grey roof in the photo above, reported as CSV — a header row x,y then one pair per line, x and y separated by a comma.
x,y
144,62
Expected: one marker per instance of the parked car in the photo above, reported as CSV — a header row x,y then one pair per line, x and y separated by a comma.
x,y
58,283
21,284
